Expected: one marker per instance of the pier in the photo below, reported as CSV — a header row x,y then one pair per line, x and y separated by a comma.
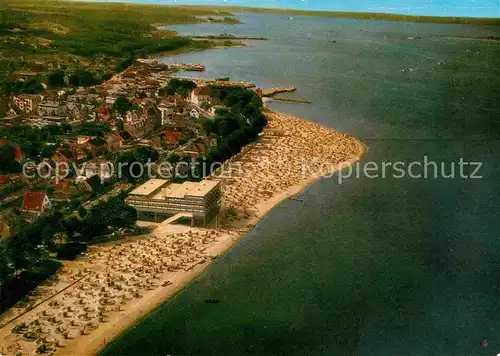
x,y
300,101
228,37
274,91
219,83
187,67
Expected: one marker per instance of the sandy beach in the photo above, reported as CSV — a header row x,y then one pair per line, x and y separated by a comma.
x,y
94,299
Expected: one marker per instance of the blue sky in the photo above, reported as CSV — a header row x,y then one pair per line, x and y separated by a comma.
x,y
468,8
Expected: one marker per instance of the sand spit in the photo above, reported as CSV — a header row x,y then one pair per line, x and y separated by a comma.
x,y
96,298
290,155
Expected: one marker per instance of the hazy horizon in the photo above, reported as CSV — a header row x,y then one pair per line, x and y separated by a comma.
x,y
453,8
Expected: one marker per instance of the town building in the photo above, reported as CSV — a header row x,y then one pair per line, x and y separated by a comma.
x,y
104,170
194,114
62,159
198,148
80,140
110,99
11,120
135,129
102,113
170,139
27,103
179,120
167,110
51,108
159,199
35,203
200,95
63,190
114,142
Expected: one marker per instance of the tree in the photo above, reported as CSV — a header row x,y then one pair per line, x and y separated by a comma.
x,y
30,86
72,226
107,76
8,163
234,141
121,105
120,125
112,214
23,252
82,78
131,163
124,64
47,235
6,266
82,212
209,126
128,170
145,154
174,159
56,79
182,91
92,129
95,183
178,86
48,151
122,195
226,124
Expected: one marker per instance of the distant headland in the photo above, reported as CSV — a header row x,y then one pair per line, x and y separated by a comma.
x,y
354,15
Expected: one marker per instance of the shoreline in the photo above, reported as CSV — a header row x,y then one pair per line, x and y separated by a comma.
x,y
103,259
263,209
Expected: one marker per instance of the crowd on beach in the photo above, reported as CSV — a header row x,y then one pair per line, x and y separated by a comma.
x,y
89,295
106,281
290,152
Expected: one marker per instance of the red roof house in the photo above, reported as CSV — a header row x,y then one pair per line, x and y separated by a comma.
x,y
35,202
202,90
196,149
18,154
200,95
102,113
171,137
4,179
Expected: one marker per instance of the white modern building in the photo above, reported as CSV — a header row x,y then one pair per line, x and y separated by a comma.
x,y
159,199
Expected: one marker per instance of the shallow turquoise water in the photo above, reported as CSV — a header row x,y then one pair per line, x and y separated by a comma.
x,y
369,266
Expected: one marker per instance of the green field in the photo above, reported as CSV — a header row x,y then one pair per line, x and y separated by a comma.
x,y
39,35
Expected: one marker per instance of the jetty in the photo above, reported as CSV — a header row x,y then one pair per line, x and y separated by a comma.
x,y
228,37
187,67
291,100
274,91
219,83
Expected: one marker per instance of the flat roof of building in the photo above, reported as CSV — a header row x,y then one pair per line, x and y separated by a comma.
x,y
191,189
166,191
181,190
203,188
149,187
